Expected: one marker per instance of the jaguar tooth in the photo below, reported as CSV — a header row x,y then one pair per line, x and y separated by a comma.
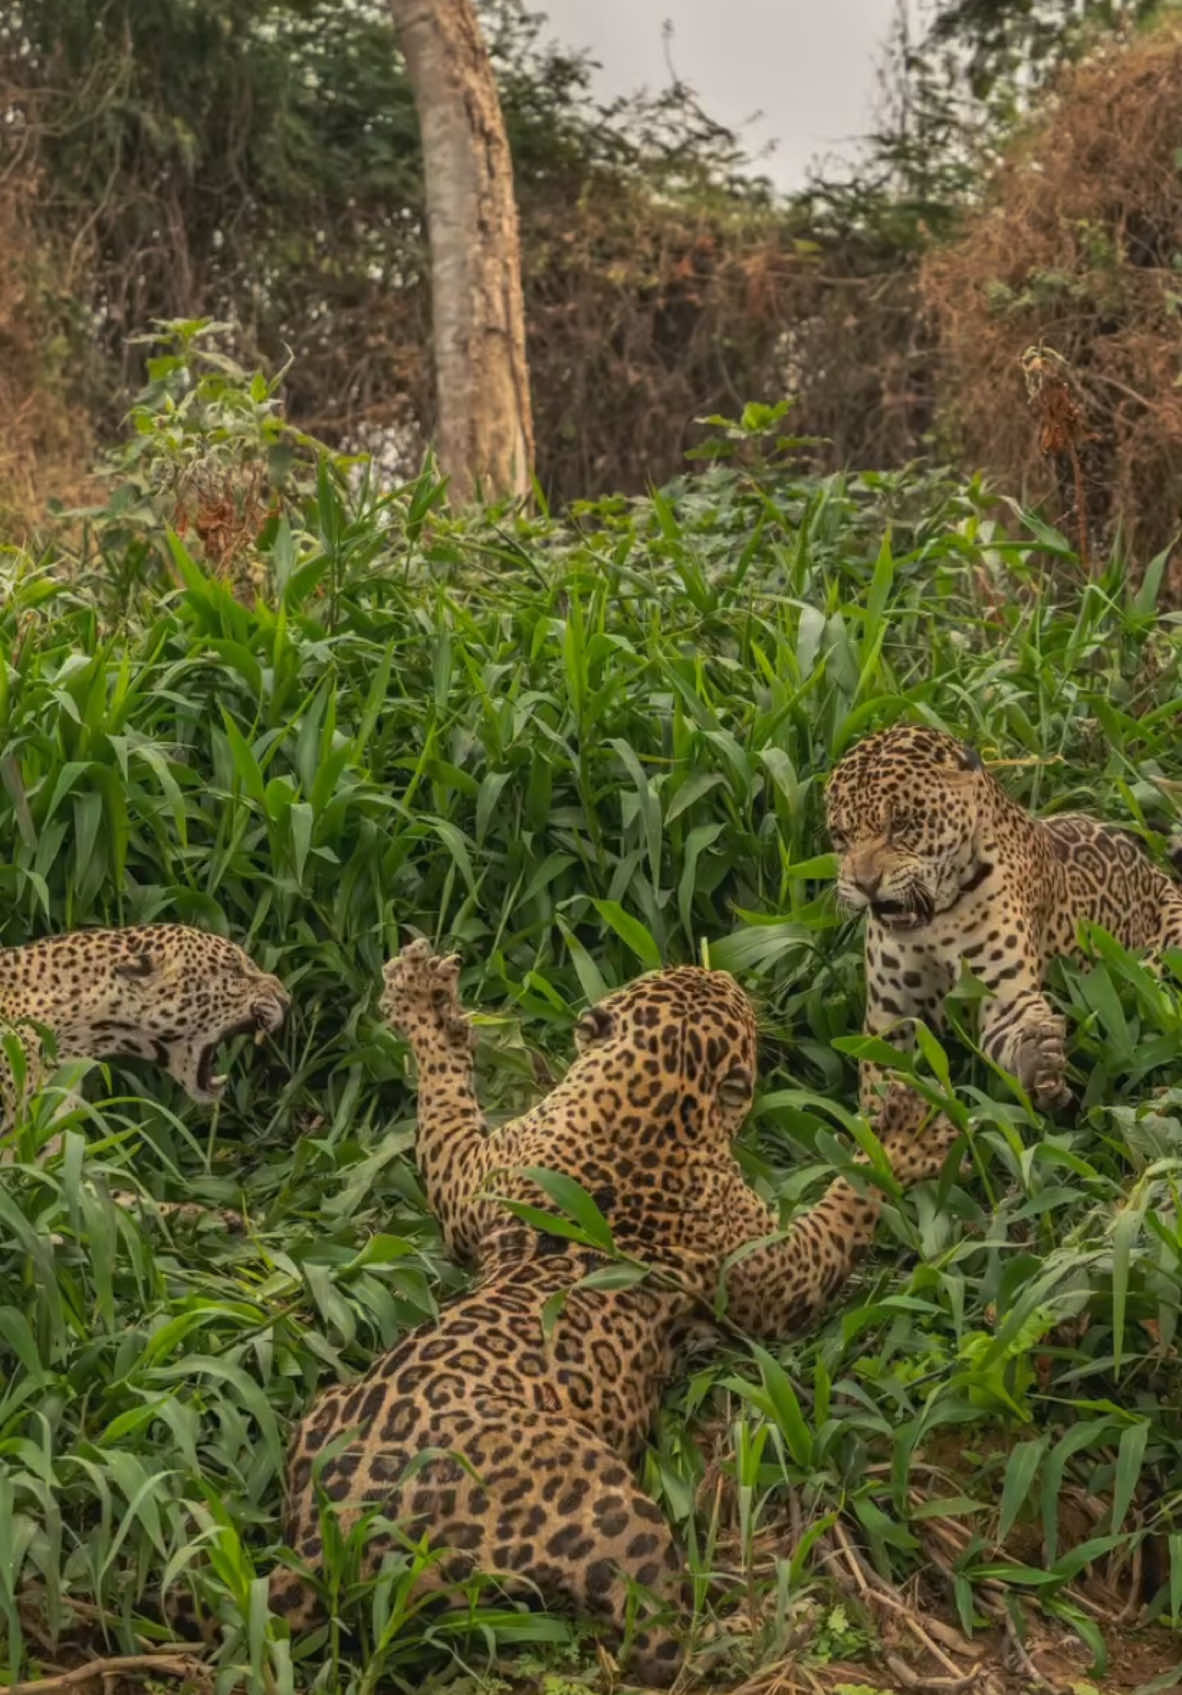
x,y
260,1037
219,1079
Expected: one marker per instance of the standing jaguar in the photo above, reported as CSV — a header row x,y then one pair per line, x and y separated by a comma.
x,y
506,1431
951,871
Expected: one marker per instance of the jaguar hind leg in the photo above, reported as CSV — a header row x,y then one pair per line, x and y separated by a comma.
x,y
552,1514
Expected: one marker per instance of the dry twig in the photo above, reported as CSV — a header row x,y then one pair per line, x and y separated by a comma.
x,y
183,1664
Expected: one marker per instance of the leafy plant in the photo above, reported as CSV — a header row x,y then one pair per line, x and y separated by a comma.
x,y
573,748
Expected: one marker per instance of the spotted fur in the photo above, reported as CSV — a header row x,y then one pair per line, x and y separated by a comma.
x,y
163,992
951,871
545,1428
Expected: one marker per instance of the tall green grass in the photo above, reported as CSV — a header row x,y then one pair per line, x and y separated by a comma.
x,y
573,749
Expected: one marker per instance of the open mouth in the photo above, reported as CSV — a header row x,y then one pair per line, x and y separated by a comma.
x,y
209,1081
190,1058
899,916
893,912
264,1017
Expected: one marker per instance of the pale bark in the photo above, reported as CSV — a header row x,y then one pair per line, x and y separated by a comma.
x,y
484,431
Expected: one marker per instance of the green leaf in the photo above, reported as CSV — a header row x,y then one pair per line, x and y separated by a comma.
x,y
631,932
1129,1460
573,1200
1021,1471
786,1407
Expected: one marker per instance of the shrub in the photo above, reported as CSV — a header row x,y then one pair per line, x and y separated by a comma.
x,y
1080,247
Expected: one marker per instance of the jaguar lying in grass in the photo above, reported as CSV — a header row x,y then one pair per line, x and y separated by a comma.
x,y
545,1427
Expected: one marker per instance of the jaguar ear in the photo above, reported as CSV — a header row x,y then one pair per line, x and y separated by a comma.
x,y
595,1025
135,967
970,759
736,1089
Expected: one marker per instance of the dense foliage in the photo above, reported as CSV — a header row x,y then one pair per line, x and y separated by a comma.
x,y
571,749
1079,248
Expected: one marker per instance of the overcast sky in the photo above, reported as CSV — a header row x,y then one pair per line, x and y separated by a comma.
x,y
807,65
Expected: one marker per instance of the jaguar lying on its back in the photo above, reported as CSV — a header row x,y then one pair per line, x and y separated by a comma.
x,y
546,1426
163,992
952,871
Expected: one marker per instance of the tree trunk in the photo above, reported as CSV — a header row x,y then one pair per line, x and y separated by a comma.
x,y
485,427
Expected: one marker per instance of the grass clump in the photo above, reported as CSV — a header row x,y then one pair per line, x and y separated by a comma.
x,y
575,749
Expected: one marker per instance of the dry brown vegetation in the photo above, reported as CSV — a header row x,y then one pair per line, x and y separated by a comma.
x,y
47,445
1079,249
644,316
641,319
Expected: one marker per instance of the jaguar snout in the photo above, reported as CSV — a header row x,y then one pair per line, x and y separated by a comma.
x,y
270,1007
859,881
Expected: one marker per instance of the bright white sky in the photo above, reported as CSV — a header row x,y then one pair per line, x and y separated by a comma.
x,y
808,65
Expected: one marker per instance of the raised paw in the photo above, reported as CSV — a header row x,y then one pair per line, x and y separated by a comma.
x,y
1040,1062
421,996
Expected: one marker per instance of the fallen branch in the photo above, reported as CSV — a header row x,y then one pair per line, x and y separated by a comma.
x,y
167,1665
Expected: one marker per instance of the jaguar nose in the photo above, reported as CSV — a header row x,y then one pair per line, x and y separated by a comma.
x,y
272,1007
869,882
